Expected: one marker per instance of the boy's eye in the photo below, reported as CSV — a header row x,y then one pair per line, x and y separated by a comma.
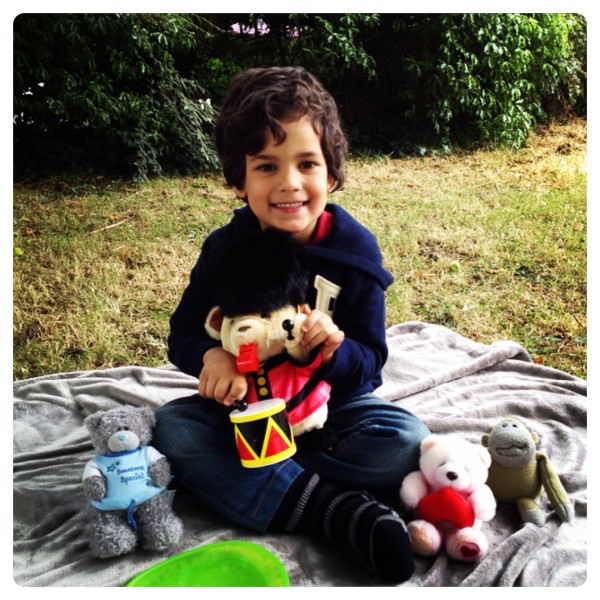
x,y
266,167
308,164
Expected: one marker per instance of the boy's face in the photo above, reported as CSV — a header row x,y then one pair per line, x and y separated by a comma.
x,y
287,185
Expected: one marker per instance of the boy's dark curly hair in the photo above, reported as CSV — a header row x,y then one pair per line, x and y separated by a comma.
x,y
265,97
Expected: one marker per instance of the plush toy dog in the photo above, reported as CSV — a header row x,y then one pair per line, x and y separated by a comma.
x,y
125,484
450,498
261,282
519,473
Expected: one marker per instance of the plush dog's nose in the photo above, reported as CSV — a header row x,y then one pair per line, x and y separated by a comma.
x,y
451,475
244,328
123,437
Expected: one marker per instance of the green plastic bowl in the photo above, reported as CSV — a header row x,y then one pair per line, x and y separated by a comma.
x,y
222,564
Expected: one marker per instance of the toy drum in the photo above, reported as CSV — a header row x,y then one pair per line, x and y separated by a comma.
x,y
263,435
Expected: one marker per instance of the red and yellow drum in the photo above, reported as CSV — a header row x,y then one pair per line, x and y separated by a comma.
x,y
263,435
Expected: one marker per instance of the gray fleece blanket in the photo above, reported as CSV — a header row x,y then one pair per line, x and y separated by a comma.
x,y
456,385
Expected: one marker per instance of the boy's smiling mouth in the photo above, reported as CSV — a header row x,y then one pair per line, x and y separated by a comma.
x,y
287,205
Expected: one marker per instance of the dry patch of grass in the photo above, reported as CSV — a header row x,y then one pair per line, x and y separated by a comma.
x,y
99,267
490,244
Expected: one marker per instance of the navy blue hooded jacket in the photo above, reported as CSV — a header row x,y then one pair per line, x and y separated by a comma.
x,y
349,257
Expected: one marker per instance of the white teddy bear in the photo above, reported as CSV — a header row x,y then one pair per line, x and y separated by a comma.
x,y
450,498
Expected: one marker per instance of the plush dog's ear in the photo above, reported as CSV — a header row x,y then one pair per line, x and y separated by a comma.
x,y
214,322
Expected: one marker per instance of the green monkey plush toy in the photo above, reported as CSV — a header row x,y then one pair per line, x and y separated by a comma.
x,y
519,473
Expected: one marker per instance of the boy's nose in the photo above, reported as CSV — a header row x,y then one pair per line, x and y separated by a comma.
x,y
289,181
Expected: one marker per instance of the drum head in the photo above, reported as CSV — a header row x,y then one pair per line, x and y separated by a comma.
x,y
258,410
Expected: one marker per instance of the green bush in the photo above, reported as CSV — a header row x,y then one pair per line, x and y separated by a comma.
x,y
137,93
494,72
463,79
103,92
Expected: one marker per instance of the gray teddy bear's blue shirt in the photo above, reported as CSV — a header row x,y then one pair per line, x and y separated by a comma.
x,y
127,477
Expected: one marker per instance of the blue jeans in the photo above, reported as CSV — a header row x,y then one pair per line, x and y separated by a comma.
x,y
367,443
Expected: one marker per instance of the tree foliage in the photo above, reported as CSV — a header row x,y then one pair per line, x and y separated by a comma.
x,y
105,90
494,72
461,79
139,92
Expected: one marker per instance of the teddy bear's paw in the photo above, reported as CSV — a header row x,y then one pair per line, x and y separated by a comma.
x,y
94,488
108,544
163,535
159,527
110,535
160,531
467,545
160,472
426,539
108,548
469,551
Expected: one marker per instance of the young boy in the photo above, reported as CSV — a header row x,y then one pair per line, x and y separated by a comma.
x,y
282,150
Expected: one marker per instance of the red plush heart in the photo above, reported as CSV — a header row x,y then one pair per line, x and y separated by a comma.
x,y
446,505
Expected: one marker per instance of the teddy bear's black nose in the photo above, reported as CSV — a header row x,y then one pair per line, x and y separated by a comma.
x,y
288,325
451,475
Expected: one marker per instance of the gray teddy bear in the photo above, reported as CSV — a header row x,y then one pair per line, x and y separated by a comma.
x,y
125,484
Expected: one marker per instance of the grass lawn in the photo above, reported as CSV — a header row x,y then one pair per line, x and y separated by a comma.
x,y
491,244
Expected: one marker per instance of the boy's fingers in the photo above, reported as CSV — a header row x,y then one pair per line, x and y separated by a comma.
x,y
331,345
318,330
203,386
223,390
237,391
312,318
335,339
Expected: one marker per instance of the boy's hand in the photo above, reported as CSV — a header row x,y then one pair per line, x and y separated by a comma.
x,y
220,379
318,329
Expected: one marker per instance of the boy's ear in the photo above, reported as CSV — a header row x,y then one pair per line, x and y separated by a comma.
x,y
240,193
214,322
331,183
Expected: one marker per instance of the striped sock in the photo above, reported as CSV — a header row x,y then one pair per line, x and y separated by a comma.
x,y
352,519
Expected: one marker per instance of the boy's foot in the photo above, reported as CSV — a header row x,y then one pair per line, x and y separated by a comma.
x,y
353,519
